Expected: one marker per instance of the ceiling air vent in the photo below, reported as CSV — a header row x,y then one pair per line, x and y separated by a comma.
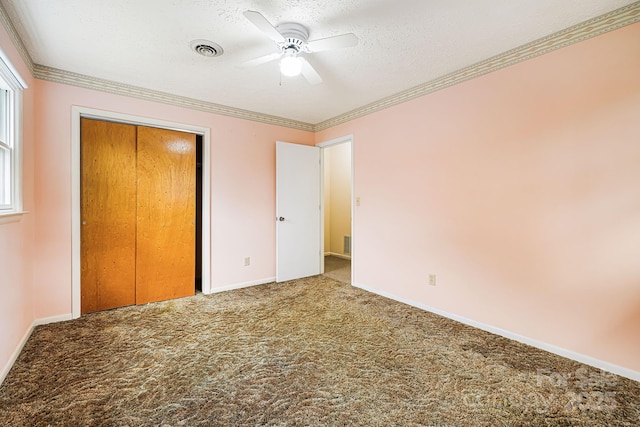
x,y
206,48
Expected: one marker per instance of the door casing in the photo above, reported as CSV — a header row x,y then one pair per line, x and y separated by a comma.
x,y
76,113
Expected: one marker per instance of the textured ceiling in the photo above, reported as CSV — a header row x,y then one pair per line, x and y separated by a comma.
x,y
403,43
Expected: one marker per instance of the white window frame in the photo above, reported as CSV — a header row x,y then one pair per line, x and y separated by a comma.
x,y
11,85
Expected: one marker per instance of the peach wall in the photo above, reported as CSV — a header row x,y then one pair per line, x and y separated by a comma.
x,y
242,188
519,190
16,238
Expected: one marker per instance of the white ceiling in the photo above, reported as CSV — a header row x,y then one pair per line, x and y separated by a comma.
x,y
403,43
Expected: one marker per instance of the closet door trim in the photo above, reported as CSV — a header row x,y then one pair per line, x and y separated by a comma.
x,y
90,113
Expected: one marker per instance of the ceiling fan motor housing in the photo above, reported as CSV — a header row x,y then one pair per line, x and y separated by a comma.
x,y
295,35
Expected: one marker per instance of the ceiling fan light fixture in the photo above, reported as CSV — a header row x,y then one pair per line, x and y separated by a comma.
x,y
292,39
290,65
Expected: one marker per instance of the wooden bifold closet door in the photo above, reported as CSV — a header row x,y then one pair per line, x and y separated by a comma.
x,y
165,266
138,214
108,215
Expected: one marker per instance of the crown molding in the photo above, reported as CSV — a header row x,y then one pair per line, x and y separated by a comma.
x,y
594,27
74,79
15,38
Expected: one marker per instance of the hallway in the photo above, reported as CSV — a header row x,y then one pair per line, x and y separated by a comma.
x,y
337,268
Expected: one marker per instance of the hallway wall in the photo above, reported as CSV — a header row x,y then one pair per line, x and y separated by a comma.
x,y
337,192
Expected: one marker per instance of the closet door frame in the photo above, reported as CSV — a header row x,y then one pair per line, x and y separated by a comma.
x,y
82,112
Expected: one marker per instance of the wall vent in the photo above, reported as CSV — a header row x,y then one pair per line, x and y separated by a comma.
x,y
347,245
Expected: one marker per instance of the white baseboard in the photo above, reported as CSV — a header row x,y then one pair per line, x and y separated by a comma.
x,y
243,285
14,356
53,319
587,360
343,256
25,338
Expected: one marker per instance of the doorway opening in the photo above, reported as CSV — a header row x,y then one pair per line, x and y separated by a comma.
x,y
337,201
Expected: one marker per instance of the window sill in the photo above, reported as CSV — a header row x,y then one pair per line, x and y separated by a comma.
x,y
8,217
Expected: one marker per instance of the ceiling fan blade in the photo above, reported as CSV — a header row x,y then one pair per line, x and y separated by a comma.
x,y
260,60
263,25
336,42
309,72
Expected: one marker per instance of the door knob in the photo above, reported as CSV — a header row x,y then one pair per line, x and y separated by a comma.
x,y
281,218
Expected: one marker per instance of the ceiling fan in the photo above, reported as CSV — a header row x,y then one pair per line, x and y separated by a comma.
x,y
292,41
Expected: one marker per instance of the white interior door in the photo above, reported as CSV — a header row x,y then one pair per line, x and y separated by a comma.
x,y
297,211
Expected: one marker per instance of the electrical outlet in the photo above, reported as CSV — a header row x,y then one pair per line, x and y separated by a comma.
x,y
357,201
247,261
432,280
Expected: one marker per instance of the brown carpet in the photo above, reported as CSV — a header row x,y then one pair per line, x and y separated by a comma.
x,y
337,268
311,352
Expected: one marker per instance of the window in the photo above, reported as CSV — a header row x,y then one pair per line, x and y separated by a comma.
x,y
11,87
6,154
